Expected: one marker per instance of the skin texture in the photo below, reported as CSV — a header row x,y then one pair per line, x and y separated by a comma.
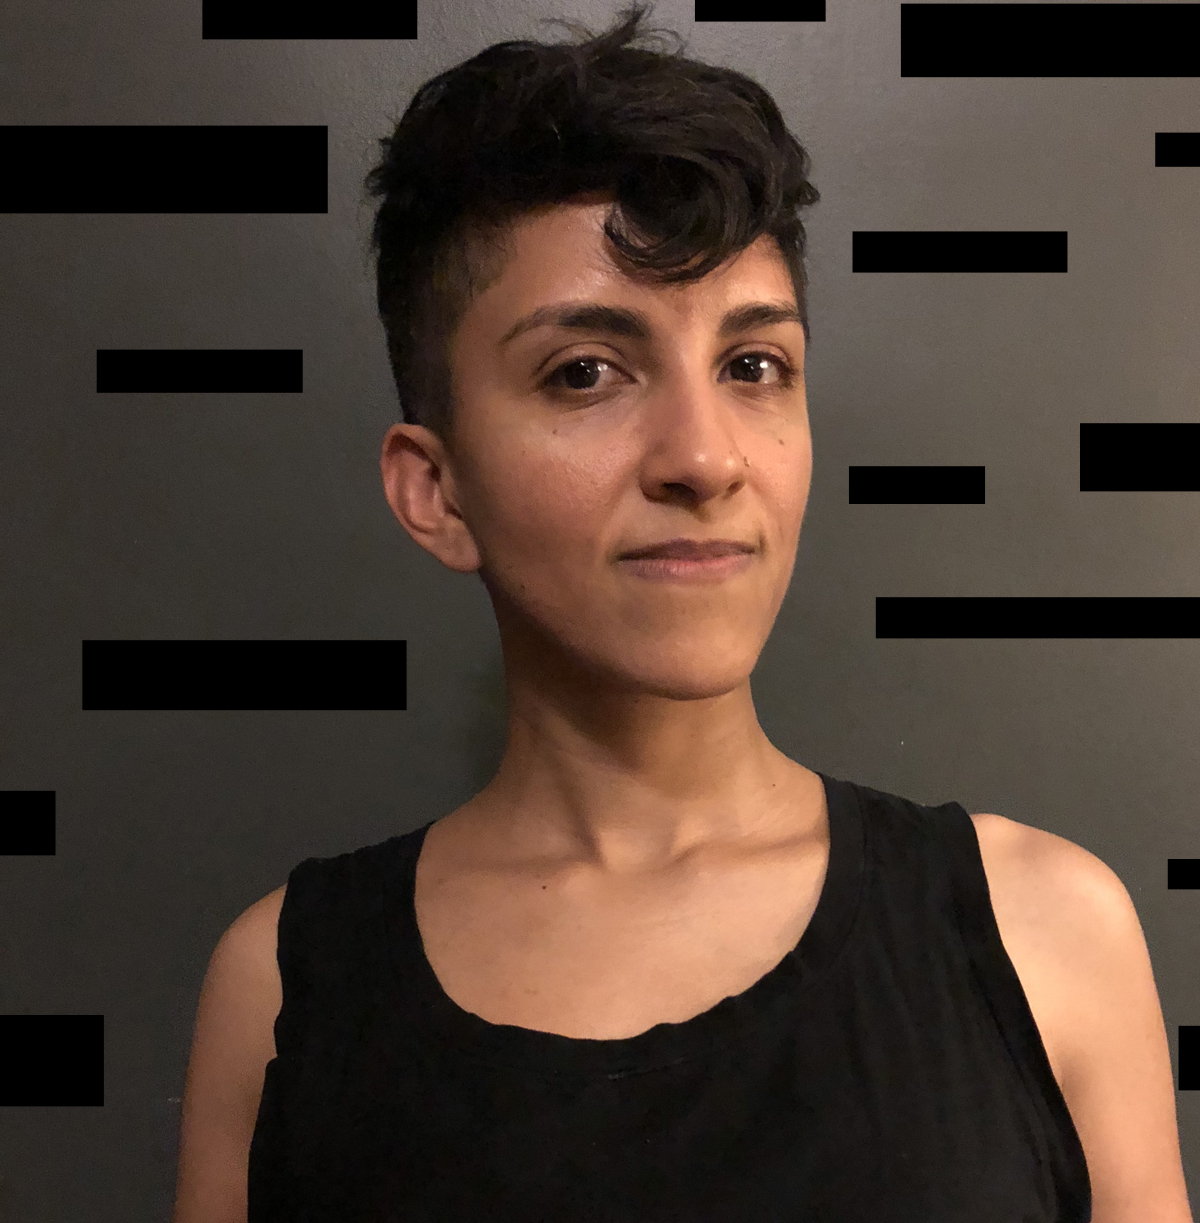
x,y
633,735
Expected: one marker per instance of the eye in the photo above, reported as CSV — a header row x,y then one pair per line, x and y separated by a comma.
x,y
578,374
756,365
583,374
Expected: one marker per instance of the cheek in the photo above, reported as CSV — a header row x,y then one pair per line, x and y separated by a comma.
x,y
804,482
790,477
540,512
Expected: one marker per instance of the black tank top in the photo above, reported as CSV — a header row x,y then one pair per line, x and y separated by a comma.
x,y
887,1070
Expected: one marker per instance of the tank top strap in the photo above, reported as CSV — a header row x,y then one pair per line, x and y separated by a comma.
x,y
332,904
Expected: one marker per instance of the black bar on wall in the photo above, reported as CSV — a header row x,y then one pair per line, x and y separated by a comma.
x,y
51,1060
897,485
909,250
1037,617
1189,1057
763,10
163,168
347,19
1177,148
1142,457
173,370
26,821
1183,872
248,675
1049,39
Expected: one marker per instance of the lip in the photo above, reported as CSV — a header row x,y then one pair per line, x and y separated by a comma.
x,y
712,568
689,550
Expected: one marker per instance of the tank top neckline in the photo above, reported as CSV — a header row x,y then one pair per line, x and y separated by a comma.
x,y
472,1037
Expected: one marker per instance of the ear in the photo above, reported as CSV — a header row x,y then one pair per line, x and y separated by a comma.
x,y
418,482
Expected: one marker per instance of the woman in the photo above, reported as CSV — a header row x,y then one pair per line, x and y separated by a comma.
x,y
655,970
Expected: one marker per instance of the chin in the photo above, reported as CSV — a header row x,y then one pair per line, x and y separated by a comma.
x,y
682,678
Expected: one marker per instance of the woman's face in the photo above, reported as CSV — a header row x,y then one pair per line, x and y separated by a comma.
x,y
575,443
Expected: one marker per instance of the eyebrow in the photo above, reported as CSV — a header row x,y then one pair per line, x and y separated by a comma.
x,y
619,320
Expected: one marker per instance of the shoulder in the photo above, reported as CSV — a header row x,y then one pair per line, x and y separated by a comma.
x,y
232,1043
242,992
1044,893
1060,899
251,938
1076,939
262,914
1066,913
243,972
1022,856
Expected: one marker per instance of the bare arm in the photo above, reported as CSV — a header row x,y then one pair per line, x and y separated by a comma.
x,y
1068,909
232,1043
1121,1092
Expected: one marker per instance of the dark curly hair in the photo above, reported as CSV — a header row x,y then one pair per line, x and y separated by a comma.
x,y
697,159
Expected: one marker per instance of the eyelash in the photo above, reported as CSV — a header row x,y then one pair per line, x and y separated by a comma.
x,y
787,374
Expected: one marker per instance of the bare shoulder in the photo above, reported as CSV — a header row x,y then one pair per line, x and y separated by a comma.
x,y
257,926
1022,856
247,952
1005,833
1074,936
1063,913
1031,875
232,1043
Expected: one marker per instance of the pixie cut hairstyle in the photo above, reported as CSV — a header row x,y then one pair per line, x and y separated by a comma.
x,y
697,160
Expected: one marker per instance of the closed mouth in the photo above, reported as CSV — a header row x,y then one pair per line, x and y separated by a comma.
x,y
688,550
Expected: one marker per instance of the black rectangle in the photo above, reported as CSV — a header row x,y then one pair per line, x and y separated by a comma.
x,y
909,250
1189,1057
26,821
1177,148
268,18
764,10
274,675
176,370
1050,40
996,617
1183,872
900,485
1147,456
51,1060
271,19
164,168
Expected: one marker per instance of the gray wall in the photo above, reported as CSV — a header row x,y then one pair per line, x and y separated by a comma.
x,y
261,516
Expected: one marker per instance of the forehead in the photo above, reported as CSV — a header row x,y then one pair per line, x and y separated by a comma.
x,y
560,253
